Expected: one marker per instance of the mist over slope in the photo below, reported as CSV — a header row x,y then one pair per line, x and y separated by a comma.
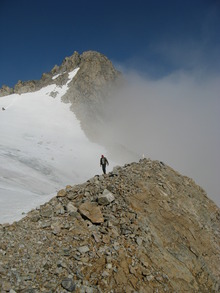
x,y
174,119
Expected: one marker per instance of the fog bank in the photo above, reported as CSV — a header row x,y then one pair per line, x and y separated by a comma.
x,y
175,120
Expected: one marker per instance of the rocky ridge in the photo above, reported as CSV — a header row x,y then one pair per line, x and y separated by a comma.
x,y
141,228
58,75
95,71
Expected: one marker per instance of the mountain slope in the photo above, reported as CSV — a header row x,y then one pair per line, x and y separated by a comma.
x,y
43,146
141,228
88,93
42,149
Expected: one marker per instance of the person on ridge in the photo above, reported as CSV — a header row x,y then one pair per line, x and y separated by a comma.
x,y
103,162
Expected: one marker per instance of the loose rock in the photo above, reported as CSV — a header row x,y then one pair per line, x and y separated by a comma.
x,y
92,212
142,241
106,198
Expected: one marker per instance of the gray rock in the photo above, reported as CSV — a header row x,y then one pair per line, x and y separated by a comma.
x,y
83,249
71,208
106,198
68,285
45,224
59,209
139,240
46,211
35,216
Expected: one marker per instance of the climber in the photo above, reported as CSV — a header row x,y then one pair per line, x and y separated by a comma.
x,y
103,162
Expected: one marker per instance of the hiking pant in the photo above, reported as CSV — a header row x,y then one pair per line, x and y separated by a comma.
x,y
104,168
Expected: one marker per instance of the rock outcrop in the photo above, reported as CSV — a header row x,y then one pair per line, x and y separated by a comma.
x,y
90,90
6,90
95,76
153,231
58,75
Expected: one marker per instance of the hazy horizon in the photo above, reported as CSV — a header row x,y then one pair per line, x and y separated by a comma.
x,y
174,119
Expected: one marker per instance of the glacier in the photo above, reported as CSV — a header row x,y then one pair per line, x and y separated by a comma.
x,y
42,149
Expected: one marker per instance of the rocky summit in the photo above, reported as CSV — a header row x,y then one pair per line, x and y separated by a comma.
x,y
96,72
141,228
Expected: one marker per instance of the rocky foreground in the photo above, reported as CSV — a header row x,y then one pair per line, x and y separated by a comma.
x,y
141,228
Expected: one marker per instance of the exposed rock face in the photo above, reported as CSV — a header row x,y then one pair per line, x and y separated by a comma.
x,y
160,234
90,90
96,73
6,90
93,80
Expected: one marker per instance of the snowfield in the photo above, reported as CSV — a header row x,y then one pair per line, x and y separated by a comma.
x,y
42,149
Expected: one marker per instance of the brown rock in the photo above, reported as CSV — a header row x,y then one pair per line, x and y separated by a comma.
x,y
120,277
61,193
91,211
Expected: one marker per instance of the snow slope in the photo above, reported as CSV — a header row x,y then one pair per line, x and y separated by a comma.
x,y
42,149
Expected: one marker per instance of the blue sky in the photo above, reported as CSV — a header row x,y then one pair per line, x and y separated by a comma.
x,y
169,48
153,37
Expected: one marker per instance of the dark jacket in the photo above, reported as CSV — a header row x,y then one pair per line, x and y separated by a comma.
x,y
103,161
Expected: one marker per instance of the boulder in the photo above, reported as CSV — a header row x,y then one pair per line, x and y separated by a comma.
x,y
91,211
106,198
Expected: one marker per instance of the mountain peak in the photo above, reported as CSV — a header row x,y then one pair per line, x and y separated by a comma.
x,y
89,60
